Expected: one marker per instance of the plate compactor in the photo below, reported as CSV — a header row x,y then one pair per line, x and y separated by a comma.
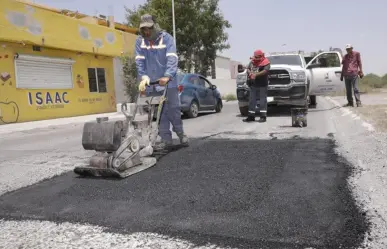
x,y
123,148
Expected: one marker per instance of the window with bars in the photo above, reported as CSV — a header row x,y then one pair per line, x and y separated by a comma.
x,y
97,80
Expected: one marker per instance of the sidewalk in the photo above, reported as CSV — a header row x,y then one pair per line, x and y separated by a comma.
x,y
7,128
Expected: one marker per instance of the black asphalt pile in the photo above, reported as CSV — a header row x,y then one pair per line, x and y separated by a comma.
x,y
242,193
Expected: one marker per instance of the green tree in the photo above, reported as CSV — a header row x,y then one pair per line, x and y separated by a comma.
x,y
130,77
384,80
200,29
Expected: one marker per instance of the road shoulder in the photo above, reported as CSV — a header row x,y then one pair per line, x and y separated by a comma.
x,y
365,148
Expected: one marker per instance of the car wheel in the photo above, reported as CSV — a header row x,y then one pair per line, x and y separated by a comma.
x,y
244,110
219,106
193,110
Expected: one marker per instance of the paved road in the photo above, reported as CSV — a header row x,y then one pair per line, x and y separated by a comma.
x,y
238,185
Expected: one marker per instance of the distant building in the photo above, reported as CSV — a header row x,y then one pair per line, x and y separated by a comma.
x,y
224,68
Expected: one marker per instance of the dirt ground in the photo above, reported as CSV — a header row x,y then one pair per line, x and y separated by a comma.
x,y
374,109
374,114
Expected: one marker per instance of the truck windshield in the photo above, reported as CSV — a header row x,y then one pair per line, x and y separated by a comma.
x,y
285,59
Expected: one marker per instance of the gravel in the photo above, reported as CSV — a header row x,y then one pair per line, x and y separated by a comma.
x,y
45,235
32,156
366,150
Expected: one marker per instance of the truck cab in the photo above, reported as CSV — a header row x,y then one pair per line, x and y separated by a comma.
x,y
293,81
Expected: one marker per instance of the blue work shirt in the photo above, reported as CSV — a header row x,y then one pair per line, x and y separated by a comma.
x,y
157,59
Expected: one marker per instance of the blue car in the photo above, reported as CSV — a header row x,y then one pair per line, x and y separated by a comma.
x,y
197,94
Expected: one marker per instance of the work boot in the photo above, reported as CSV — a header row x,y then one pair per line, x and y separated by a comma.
x,y
358,104
163,145
249,119
348,104
262,119
183,138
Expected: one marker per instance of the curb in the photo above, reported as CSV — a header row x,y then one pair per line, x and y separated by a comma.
x,y
8,128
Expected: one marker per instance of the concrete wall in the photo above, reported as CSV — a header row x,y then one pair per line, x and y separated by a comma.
x,y
225,86
234,68
222,67
119,80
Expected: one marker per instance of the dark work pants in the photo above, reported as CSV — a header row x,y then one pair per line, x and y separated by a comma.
x,y
255,93
352,82
171,114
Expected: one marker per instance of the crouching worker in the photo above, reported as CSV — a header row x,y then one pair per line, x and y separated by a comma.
x,y
156,60
258,81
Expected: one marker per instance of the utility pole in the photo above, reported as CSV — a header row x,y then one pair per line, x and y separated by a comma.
x,y
173,21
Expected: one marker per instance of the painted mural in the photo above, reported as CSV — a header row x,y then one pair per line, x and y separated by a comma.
x,y
5,76
9,109
21,105
9,112
25,20
41,27
80,82
46,100
57,36
84,33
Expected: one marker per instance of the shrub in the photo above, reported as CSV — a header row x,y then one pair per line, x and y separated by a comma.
x,y
229,97
130,77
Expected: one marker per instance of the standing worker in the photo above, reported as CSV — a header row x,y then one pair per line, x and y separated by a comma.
x,y
258,82
351,71
156,60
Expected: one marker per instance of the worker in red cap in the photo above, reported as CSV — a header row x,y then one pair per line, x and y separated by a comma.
x,y
258,82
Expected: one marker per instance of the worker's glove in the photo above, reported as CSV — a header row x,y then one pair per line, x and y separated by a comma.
x,y
145,80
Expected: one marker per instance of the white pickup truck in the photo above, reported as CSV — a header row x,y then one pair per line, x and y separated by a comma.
x,y
294,82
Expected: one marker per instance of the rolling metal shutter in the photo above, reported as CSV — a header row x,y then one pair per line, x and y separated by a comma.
x,y
38,72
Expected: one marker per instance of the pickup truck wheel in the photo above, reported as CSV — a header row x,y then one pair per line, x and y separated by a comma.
x,y
219,106
193,110
313,101
244,110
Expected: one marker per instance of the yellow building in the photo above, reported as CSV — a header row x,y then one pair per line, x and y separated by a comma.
x,y
56,64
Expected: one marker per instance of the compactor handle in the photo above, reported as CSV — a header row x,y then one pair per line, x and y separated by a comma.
x,y
154,83
124,110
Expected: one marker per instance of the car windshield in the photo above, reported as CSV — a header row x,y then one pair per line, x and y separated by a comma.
x,y
285,59
180,77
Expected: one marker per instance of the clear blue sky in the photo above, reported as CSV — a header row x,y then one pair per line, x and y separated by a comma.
x,y
301,24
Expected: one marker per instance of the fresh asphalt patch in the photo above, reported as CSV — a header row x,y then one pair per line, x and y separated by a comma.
x,y
241,193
